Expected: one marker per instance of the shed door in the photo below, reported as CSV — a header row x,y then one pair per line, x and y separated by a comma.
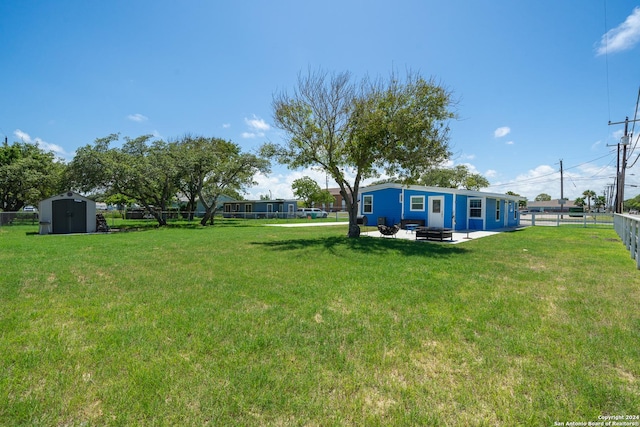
x,y
69,216
436,211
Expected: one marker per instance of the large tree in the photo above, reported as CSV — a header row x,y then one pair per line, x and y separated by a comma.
x,y
457,177
543,197
211,167
143,169
309,192
28,174
354,131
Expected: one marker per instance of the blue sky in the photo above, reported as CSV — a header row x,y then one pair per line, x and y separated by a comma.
x,y
536,81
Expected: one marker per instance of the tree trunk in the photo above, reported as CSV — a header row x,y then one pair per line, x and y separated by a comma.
x,y
205,218
354,228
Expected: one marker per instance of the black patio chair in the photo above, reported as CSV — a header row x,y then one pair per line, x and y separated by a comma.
x,y
388,231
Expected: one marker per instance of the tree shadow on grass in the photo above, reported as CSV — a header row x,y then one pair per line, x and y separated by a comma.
x,y
368,245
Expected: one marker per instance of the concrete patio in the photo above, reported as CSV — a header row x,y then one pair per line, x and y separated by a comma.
x,y
457,237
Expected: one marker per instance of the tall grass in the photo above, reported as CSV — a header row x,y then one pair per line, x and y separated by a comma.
x,y
244,325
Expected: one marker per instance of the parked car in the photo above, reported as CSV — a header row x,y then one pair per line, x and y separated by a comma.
x,y
311,212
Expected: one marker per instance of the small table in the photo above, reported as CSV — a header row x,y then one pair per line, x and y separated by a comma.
x,y
411,227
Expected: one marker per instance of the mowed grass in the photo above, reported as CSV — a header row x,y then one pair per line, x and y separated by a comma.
x,y
254,325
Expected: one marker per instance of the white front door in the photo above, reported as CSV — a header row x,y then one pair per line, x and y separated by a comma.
x,y
436,211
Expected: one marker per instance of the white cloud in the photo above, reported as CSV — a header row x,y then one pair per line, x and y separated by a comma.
x,y
490,173
510,142
257,127
502,131
624,37
137,117
226,125
257,123
44,145
22,136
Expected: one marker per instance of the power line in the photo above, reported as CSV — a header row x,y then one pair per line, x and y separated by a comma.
x,y
528,180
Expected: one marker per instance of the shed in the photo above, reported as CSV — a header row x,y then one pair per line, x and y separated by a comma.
x,y
67,213
390,204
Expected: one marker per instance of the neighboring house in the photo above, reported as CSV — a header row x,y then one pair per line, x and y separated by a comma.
x,y
391,204
550,206
260,209
338,205
200,210
67,213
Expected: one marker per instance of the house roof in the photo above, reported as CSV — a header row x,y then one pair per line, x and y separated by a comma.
x,y
68,195
444,190
554,203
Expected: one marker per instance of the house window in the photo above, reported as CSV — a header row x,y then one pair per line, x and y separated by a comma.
x,y
417,203
367,204
227,208
475,208
498,210
248,208
237,207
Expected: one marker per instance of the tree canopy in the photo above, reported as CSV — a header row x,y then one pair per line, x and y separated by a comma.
x,y
354,131
28,174
212,167
457,177
153,172
310,192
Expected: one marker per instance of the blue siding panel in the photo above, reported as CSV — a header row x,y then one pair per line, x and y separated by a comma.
x,y
386,203
461,212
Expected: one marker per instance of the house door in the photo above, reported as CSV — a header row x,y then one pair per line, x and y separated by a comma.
x,y
69,216
436,211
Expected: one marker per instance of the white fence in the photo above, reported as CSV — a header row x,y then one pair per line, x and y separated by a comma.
x,y
581,219
628,228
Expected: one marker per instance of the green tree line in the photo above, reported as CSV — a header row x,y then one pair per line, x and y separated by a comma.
x,y
142,170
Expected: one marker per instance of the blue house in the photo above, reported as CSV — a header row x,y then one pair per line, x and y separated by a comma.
x,y
391,204
251,209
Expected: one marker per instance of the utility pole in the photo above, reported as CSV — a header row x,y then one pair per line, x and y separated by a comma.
x,y
561,187
622,165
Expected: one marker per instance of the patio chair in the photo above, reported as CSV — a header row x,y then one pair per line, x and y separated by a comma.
x,y
388,231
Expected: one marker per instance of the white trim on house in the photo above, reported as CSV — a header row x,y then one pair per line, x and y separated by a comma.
x,y
422,201
436,219
364,204
469,193
483,207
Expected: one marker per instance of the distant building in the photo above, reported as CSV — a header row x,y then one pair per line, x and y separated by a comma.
x,y
551,206
338,204
260,209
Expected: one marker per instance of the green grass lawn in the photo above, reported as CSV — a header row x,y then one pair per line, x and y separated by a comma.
x,y
253,325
